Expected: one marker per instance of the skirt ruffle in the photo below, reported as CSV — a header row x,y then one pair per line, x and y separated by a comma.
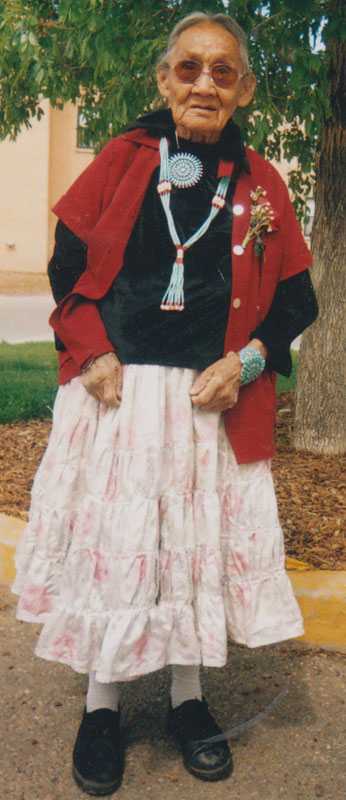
x,y
146,543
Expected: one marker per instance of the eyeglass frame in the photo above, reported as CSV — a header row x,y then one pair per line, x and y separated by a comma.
x,y
208,72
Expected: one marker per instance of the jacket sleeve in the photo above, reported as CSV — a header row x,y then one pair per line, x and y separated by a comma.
x,y
81,330
293,309
68,261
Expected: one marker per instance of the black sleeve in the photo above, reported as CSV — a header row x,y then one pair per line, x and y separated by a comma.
x,y
293,309
68,261
67,264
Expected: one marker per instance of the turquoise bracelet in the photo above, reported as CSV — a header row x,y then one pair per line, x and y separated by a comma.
x,y
252,363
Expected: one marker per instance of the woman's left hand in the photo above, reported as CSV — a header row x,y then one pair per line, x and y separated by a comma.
x,y
217,388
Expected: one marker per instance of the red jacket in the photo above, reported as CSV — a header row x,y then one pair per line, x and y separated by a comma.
x,y
101,208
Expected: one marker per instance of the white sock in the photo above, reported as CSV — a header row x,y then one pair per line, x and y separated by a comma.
x,y
102,695
185,684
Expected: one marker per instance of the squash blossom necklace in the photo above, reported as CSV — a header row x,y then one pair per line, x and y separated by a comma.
x,y
183,170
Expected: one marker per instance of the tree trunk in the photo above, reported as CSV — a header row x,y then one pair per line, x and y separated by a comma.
x,y
320,417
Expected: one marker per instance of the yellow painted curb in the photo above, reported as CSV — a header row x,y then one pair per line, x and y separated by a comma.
x,y
11,530
321,594
293,563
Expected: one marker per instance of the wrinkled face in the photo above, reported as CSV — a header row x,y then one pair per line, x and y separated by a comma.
x,y
202,109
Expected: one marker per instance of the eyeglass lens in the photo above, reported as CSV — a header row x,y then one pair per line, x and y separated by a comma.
x,y
188,71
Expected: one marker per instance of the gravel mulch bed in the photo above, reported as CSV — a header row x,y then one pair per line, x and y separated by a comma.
x,y
310,488
311,493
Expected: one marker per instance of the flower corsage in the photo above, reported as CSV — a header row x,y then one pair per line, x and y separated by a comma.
x,y
261,220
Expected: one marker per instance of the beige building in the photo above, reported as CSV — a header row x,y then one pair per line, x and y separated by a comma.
x,y
36,170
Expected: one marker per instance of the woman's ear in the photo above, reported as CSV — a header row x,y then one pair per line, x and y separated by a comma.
x,y
162,80
247,94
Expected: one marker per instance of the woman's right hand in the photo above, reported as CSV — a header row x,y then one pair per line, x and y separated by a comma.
x,y
104,379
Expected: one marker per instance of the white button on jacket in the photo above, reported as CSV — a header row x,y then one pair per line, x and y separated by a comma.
x,y
238,210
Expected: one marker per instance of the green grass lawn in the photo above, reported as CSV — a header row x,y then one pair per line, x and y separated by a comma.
x,y
29,380
288,384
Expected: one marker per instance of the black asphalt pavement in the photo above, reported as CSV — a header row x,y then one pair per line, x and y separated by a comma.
x,y
295,750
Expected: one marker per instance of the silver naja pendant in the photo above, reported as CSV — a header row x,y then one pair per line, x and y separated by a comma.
x,y
185,170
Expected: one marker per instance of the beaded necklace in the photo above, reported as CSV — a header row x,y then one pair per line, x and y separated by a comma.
x,y
173,299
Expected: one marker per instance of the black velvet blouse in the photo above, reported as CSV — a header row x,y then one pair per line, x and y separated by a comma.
x,y
139,330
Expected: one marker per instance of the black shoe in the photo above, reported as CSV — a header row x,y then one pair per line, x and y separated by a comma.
x,y
98,754
192,725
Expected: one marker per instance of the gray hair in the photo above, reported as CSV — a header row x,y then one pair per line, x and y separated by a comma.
x,y
198,17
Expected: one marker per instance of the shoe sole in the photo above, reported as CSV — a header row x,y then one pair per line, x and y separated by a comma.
x,y
219,774
99,789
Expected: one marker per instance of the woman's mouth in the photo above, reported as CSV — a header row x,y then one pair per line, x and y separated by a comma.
x,y
203,108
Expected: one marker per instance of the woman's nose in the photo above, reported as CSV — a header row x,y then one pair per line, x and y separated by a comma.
x,y
204,83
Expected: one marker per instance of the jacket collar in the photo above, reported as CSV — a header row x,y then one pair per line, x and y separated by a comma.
x,y
148,130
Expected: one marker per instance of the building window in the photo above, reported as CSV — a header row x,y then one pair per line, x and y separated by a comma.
x,y
84,141
309,223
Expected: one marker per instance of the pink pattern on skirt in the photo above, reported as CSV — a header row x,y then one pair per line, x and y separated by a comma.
x,y
63,647
36,600
99,565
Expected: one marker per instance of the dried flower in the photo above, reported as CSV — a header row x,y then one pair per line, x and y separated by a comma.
x,y
261,219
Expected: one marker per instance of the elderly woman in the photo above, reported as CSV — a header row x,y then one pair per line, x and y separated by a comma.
x,y
181,278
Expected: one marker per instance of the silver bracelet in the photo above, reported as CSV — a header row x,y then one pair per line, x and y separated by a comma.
x,y
253,363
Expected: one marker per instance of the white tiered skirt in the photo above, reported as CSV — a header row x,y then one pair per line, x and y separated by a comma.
x,y
146,543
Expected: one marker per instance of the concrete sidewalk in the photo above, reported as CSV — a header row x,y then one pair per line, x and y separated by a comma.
x,y
25,318
295,751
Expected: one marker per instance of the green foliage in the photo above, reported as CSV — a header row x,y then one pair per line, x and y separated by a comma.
x,y
104,51
28,381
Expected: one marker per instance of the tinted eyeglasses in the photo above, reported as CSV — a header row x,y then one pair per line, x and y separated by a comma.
x,y
224,76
